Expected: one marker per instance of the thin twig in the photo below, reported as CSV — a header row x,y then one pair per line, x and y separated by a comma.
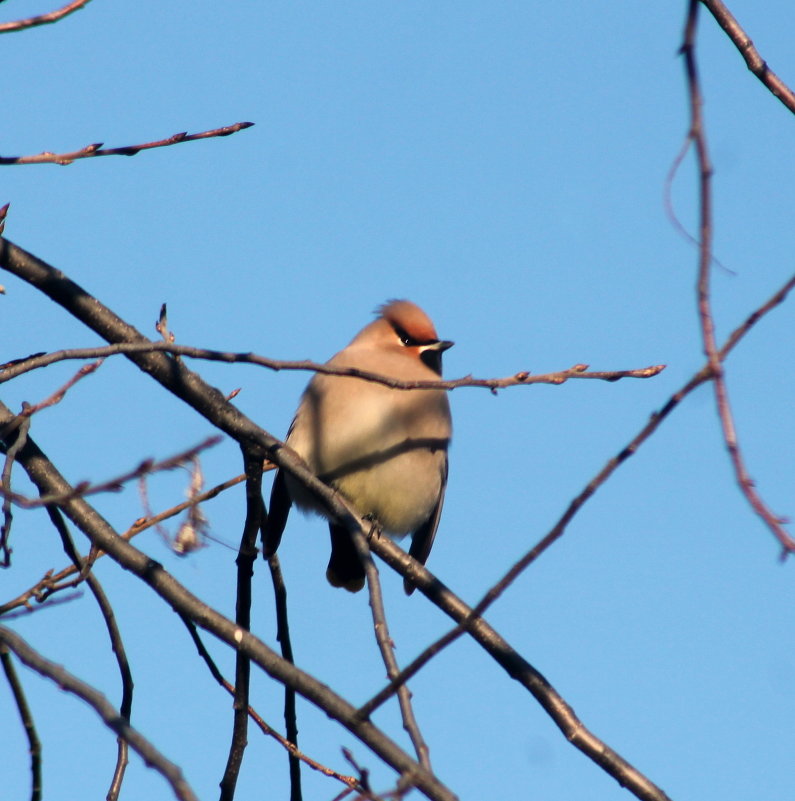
x,y
59,394
89,151
34,744
146,467
109,714
212,404
22,426
698,137
386,646
285,643
656,419
116,643
754,61
50,584
246,558
522,378
349,781
43,19
48,480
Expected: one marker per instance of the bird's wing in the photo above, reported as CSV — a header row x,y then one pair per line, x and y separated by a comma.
x,y
423,537
276,520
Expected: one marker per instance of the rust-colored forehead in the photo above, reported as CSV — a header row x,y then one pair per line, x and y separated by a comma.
x,y
410,317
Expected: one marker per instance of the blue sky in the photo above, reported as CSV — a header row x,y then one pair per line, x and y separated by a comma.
x,y
504,166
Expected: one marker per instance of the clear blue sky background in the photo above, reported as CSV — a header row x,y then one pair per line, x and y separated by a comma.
x,y
504,166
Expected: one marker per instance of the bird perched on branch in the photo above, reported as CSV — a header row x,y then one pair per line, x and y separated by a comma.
x,y
384,449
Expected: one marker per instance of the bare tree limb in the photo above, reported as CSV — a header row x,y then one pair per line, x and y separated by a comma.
x,y
89,151
285,643
43,19
34,744
17,367
656,419
146,467
246,557
754,61
48,480
697,136
109,714
292,749
51,583
210,403
386,646
22,426
116,642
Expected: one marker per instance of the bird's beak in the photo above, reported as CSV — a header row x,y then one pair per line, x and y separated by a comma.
x,y
431,354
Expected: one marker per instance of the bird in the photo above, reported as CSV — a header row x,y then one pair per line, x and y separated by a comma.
x,y
384,449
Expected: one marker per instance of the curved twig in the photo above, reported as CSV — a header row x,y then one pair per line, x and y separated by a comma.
x,y
109,714
34,744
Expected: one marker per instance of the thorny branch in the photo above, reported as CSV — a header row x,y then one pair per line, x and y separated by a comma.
x,y
96,149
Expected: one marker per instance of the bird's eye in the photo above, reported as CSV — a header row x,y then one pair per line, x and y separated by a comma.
x,y
404,338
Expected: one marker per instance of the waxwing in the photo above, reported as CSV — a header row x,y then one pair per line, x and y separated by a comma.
x,y
384,449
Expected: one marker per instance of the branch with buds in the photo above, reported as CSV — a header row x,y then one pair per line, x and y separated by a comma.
x,y
95,149
17,367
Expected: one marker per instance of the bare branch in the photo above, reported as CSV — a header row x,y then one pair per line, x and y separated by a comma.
x,y
386,646
43,19
285,643
49,481
147,467
349,781
89,151
83,566
559,528
17,367
50,584
698,137
246,558
34,744
60,394
212,404
22,426
109,714
754,61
